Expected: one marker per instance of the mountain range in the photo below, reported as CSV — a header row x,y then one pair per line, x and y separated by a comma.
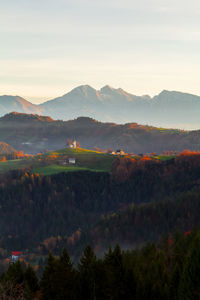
x,y
167,109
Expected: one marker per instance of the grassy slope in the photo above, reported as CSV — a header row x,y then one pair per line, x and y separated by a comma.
x,y
90,159
86,160
164,157
14,165
55,169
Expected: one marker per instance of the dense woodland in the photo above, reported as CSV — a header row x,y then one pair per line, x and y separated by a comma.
x,y
169,270
140,201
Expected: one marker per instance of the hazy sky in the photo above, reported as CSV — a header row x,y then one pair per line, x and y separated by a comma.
x,y
48,47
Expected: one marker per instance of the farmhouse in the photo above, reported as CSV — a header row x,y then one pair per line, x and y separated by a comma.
x,y
15,256
72,161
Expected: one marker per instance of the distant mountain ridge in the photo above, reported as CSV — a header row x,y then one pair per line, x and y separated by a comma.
x,y
167,109
19,104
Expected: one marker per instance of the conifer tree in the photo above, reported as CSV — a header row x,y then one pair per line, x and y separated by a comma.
x,y
115,274
66,278
31,280
189,287
86,269
48,281
174,282
15,273
12,281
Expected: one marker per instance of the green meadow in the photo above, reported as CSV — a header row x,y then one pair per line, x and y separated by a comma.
x,y
55,169
14,165
85,160
51,163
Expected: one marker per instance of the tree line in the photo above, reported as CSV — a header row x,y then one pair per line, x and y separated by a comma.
x,y
169,270
68,210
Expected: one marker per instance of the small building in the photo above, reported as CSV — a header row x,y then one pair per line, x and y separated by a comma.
x,y
73,144
72,161
120,152
15,256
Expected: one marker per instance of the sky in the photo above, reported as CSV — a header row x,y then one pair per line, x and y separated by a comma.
x,y
48,47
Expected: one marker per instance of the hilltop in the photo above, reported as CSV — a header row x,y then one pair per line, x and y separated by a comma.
x,y
57,162
85,160
22,117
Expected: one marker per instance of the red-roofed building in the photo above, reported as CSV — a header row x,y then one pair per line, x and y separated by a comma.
x,y
15,256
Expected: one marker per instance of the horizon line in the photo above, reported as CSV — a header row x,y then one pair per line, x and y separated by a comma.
x,y
50,98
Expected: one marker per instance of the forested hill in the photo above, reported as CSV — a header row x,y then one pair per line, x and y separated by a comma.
x,y
140,201
168,270
33,134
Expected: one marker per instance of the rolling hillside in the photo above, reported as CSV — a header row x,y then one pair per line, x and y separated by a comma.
x,y
34,134
57,162
72,209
